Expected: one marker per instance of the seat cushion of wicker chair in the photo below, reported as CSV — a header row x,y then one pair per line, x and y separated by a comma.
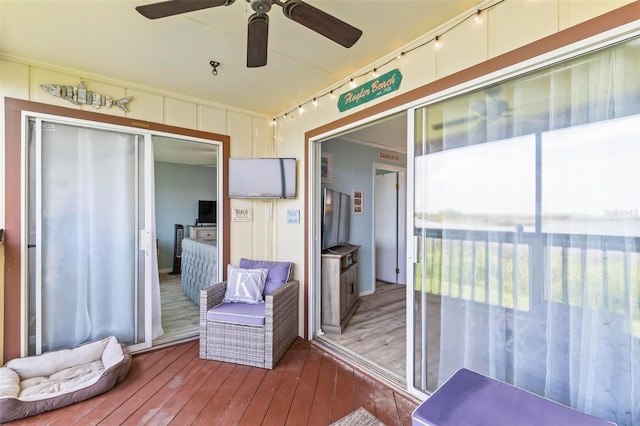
x,y
238,313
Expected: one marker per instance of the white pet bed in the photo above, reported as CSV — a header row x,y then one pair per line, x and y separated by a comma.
x,y
59,378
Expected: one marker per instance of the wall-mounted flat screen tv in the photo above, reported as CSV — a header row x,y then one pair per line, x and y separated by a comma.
x,y
336,209
207,212
262,177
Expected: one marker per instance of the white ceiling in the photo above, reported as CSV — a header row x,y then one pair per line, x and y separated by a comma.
x,y
172,150
109,38
388,133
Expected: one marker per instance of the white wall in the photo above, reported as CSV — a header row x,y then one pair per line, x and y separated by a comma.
x,y
509,25
178,189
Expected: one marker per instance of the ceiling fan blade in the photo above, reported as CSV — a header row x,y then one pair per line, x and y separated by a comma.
x,y
257,40
321,22
175,7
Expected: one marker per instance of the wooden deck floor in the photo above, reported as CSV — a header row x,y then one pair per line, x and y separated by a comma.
x,y
173,386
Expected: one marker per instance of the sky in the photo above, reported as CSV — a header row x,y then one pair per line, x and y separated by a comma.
x,y
589,170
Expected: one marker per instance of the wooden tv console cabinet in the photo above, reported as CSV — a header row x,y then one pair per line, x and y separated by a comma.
x,y
205,233
340,290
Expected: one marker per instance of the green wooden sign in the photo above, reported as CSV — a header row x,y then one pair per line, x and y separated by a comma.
x,y
383,85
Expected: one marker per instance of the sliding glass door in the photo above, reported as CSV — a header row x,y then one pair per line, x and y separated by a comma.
x,y
89,254
526,218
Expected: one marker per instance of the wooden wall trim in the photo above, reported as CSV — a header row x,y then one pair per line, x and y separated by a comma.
x,y
608,21
11,343
13,220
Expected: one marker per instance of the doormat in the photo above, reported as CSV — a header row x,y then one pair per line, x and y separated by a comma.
x,y
360,417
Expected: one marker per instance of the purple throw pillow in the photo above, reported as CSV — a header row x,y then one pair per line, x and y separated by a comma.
x,y
279,272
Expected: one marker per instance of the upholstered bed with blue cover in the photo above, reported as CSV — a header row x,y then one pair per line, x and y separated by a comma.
x,y
199,267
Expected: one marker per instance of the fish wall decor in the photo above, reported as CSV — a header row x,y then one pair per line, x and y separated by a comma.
x,y
79,95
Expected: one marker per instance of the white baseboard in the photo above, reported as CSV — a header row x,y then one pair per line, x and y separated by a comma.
x,y
364,293
164,271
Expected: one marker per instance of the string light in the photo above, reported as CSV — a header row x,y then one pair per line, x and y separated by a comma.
x,y
477,17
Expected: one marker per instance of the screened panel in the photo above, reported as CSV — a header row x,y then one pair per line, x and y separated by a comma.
x,y
527,217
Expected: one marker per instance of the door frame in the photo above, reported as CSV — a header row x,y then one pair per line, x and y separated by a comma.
x,y
146,248
313,216
143,237
15,185
586,36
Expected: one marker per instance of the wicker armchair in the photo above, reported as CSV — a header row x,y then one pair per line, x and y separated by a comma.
x,y
249,344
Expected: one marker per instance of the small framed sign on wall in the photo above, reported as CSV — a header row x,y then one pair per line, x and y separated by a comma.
x,y
358,202
241,215
326,167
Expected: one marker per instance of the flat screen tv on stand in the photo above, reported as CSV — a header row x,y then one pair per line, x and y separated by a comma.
x,y
207,212
336,214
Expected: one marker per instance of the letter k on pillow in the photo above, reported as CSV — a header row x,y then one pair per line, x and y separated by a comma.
x,y
245,285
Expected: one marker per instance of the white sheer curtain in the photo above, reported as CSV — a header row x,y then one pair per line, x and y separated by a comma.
x,y
156,302
89,238
534,207
592,279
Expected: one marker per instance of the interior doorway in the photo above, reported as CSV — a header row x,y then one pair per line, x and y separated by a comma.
x,y
375,336
390,210
186,172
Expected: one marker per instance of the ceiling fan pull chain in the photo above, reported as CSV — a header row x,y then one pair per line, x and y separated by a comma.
x,y
215,66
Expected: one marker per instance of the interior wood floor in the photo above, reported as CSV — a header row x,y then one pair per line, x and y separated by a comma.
x,y
172,385
180,316
377,330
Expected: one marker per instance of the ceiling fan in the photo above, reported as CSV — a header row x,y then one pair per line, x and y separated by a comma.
x,y
258,32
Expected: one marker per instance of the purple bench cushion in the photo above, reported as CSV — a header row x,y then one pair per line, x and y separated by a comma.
x,y
469,398
238,313
279,272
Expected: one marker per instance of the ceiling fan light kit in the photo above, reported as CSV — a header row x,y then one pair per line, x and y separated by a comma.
x,y
214,66
258,25
260,6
